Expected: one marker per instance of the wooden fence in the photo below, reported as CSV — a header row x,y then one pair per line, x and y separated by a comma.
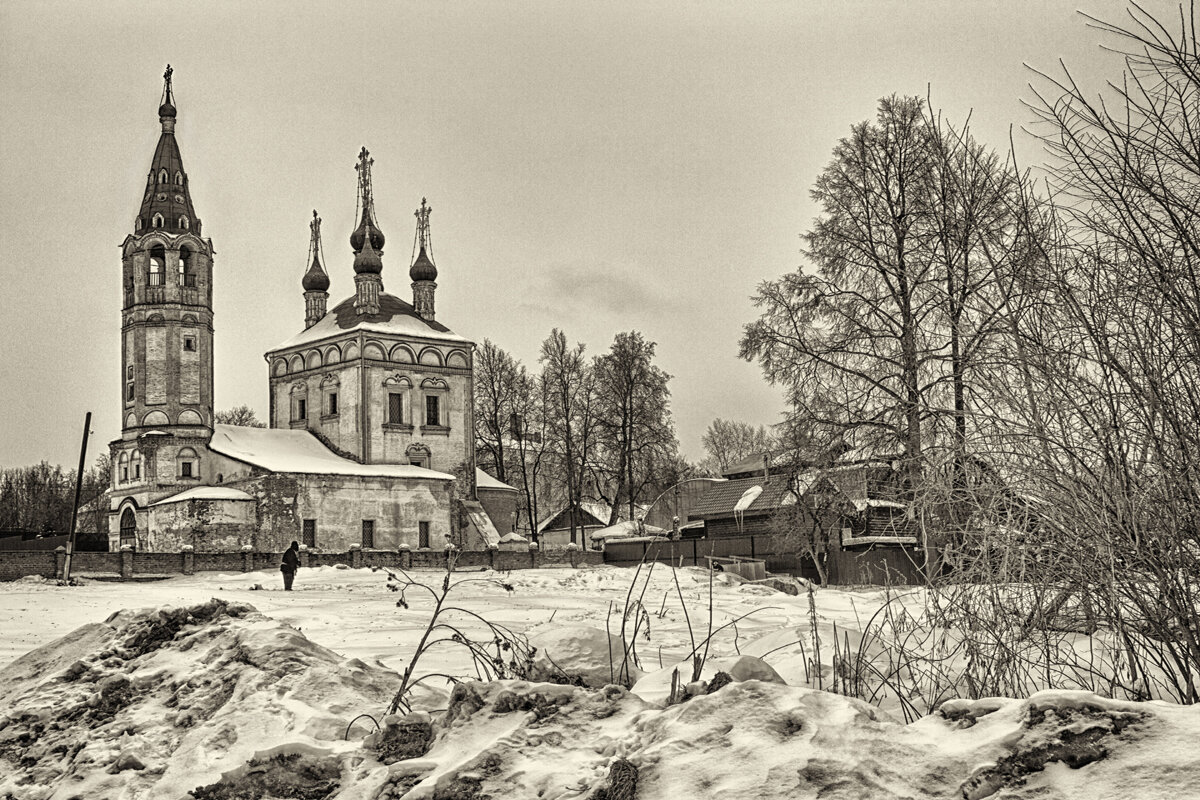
x,y
874,565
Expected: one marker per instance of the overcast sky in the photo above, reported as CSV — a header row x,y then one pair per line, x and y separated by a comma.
x,y
594,167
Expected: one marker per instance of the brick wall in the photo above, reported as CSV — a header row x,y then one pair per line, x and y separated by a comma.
x,y
18,564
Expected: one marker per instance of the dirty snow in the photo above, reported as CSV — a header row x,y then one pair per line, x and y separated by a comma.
x,y
153,704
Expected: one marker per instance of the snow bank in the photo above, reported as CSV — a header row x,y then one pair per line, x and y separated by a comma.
x,y
582,655
154,703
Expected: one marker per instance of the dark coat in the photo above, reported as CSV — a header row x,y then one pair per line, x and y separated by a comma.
x,y
291,560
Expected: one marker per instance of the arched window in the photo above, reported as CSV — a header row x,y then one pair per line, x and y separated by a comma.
x,y
137,225
162,176
135,464
123,470
158,220
128,528
186,276
179,179
187,463
158,260
183,223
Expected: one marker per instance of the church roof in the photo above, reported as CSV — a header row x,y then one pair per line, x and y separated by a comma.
x,y
395,316
485,481
299,451
170,197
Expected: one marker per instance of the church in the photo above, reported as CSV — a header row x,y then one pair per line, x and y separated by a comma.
x,y
370,440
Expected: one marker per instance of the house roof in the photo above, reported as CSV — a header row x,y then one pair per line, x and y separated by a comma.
x,y
300,452
395,316
722,498
205,493
599,512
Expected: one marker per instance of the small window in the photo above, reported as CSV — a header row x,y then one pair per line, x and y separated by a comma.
x,y
395,408
332,404
186,277
432,415
129,392
368,533
179,179
301,409
137,225
189,344
158,260
185,470
183,223
310,533
423,526
158,220
137,470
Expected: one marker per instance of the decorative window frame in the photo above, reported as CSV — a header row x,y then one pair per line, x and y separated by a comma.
x,y
435,387
298,394
187,456
330,401
401,385
419,451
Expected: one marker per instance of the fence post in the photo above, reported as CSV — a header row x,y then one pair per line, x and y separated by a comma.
x,y
356,556
60,562
247,558
189,559
304,556
126,562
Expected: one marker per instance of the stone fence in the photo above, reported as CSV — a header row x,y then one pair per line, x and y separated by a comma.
x,y
130,565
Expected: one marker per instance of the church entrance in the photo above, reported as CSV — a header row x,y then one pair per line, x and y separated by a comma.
x,y
128,528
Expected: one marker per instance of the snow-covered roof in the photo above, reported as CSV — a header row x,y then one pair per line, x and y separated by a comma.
x,y
395,317
299,451
205,493
485,481
623,530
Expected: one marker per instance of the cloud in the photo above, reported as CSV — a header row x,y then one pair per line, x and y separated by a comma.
x,y
605,287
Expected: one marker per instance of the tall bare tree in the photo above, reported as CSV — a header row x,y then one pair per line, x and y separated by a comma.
x,y
633,419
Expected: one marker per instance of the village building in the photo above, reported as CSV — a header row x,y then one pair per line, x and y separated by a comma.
x,y
370,439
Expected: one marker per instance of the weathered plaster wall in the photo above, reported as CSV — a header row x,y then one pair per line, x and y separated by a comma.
x,y
339,504
210,526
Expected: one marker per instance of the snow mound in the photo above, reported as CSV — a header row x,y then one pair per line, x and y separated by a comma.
x,y
158,702
656,686
583,655
756,739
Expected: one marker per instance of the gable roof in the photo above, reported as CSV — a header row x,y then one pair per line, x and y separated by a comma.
x,y
395,316
300,452
722,498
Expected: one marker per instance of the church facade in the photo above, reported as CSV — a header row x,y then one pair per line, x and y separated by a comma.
x,y
370,439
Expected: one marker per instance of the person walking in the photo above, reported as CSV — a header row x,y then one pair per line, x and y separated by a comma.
x,y
291,563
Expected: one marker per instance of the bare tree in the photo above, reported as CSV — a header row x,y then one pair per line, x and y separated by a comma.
x,y
729,441
499,381
633,420
570,413
242,415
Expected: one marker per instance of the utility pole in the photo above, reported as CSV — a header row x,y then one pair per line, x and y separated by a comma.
x,y
87,428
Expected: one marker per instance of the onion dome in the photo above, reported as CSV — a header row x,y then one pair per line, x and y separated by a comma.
x,y
360,234
367,261
422,268
315,280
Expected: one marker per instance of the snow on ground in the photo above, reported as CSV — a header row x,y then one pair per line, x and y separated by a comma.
x,y
154,704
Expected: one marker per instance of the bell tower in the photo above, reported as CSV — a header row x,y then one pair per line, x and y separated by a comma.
x,y
166,329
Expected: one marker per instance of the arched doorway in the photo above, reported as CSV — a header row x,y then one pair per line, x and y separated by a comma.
x,y
128,528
